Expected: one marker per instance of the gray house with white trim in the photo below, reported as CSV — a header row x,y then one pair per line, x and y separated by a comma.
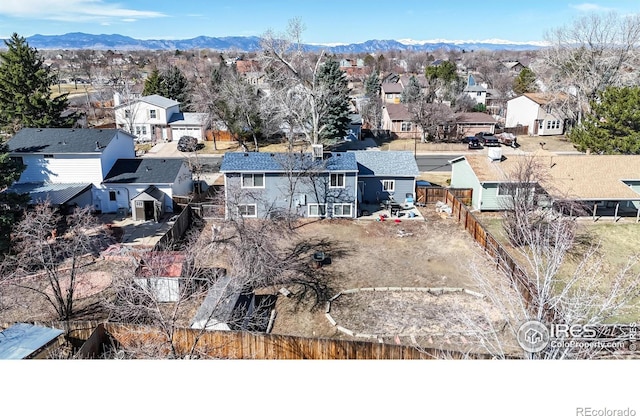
x,y
334,185
263,184
385,175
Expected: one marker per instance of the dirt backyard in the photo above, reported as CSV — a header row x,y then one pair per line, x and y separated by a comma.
x,y
431,253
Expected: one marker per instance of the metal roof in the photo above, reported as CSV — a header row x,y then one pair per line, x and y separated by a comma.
x,y
60,140
386,163
145,171
56,193
21,340
283,162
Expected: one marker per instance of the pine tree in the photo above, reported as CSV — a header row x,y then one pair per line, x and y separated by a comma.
x,y
174,85
152,83
10,171
25,93
613,126
170,84
334,120
412,92
525,82
372,85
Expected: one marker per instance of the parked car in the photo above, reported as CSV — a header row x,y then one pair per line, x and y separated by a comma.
x,y
187,144
488,139
468,139
507,139
474,143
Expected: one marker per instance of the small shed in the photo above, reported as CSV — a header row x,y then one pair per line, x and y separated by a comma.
x,y
26,341
148,204
219,309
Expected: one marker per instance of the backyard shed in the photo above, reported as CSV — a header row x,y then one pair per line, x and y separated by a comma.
x,y
148,204
24,341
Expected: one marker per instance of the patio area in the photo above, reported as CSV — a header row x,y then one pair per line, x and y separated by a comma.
x,y
380,212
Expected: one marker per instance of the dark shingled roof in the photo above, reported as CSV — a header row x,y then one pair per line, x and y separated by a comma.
x,y
59,140
282,162
150,171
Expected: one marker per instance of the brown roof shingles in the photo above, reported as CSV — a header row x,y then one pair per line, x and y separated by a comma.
x,y
585,177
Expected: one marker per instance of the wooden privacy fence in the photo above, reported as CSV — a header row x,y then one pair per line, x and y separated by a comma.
x,y
433,194
247,345
177,230
504,261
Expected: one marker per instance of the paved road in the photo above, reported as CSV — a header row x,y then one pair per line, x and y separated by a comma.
x,y
434,163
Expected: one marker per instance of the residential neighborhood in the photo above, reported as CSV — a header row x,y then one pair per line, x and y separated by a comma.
x,y
284,204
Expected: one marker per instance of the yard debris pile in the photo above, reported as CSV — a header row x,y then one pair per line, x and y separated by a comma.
x,y
443,209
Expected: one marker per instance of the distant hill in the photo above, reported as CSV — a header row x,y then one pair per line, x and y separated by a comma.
x,y
252,43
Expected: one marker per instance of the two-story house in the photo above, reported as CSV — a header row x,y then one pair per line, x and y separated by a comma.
x,y
333,185
539,111
95,167
156,118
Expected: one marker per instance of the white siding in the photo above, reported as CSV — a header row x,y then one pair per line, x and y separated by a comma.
x,y
140,116
62,168
523,111
120,147
184,182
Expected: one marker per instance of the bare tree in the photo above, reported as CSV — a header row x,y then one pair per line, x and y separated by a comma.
x,y
590,54
562,280
297,76
50,251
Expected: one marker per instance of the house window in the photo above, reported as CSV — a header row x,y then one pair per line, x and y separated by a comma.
x,y
48,156
253,180
152,113
511,189
144,130
248,210
137,130
388,185
127,113
139,204
317,210
337,180
342,210
479,93
17,160
112,195
389,96
406,126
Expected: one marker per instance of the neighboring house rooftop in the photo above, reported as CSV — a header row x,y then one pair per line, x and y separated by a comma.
x,y
144,171
187,118
391,87
387,163
398,112
283,162
475,88
583,177
159,101
56,193
543,98
475,118
61,140
22,340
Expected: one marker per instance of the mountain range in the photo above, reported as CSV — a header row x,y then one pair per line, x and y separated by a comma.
x,y
252,44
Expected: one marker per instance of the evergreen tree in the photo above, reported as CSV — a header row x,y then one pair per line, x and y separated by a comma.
x,y
412,92
525,82
152,83
613,126
372,85
10,171
25,96
334,120
175,86
170,84
445,72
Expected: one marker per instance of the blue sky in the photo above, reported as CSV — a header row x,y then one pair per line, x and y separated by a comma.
x,y
325,21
